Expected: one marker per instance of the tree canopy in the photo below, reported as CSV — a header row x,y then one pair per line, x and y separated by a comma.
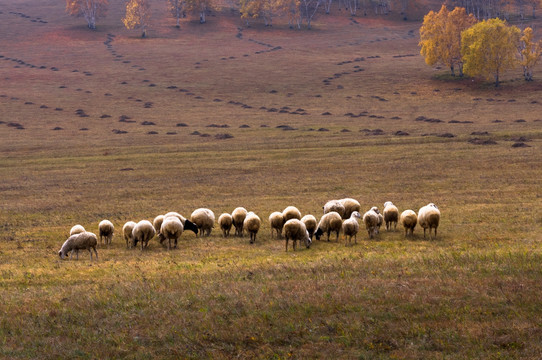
x,y
489,48
91,10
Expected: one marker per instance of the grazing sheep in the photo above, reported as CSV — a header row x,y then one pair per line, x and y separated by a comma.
x,y
252,225
391,215
429,217
204,220
331,221
350,228
291,212
276,221
77,229
379,223
188,225
82,241
334,205
295,229
143,232
106,229
171,229
310,223
409,220
350,205
238,215
157,224
371,219
127,233
225,221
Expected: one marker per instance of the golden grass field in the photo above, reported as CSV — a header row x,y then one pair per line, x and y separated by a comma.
x,y
474,292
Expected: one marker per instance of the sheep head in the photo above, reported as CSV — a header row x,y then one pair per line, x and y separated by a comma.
x,y
319,232
308,240
189,225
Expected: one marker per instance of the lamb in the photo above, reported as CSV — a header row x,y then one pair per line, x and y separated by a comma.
x,y
143,232
291,212
127,233
77,229
82,241
187,224
252,225
350,228
238,215
350,205
409,220
295,229
276,221
106,229
225,221
334,205
391,215
429,217
171,229
331,221
204,220
310,223
371,219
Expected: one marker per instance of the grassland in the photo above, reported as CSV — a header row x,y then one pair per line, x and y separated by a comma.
x,y
472,293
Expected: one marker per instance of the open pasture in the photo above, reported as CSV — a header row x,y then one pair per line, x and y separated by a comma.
x,y
105,125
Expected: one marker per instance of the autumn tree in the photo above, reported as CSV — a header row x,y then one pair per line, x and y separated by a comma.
x,y
200,7
489,48
176,8
530,53
138,14
259,8
91,10
440,37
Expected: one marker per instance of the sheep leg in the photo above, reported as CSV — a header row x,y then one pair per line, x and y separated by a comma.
x,y
435,233
337,236
95,252
286,244
424,233
294,243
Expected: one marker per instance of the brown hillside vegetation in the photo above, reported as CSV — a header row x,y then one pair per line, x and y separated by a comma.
x,y
105,125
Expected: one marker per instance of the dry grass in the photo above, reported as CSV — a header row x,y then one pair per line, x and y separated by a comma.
x,y
473,293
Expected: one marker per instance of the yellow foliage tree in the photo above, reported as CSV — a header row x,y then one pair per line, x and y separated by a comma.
x,y
530,53
489,48
91,10
258,8
440,37
138,14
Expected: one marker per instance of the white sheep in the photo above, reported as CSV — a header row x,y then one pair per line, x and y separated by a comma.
x,y
371,219
291,212
331,221
143,232
408,219
157,224
334,205
252,224
350,205
295,229
276,222
82,241
188,225
310,223
204,220
238,215
225,221
391,215
429,217
171,229
77,229
127,233
350,228
106,230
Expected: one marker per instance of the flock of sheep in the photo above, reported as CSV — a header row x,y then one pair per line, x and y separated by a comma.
x,y
339,216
